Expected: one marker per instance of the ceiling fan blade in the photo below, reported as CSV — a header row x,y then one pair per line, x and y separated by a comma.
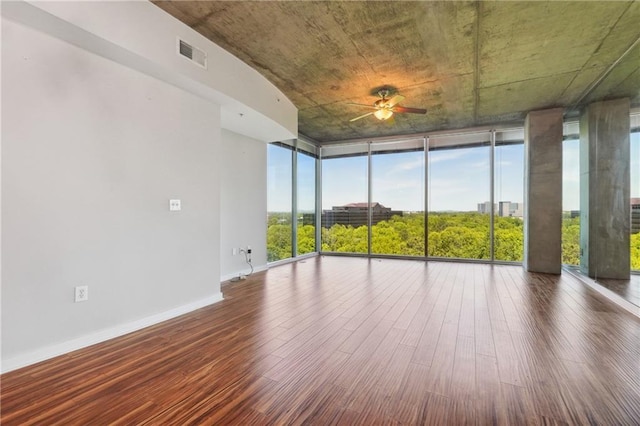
x,y
362,116
409,110
395,100
362,105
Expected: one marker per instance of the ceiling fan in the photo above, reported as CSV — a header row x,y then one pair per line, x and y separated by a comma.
x,y
385,107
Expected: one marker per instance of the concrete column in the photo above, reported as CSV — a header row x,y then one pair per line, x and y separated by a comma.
x,y
543,191
605,217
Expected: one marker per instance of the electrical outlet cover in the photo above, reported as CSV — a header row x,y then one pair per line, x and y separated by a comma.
x,y
82,293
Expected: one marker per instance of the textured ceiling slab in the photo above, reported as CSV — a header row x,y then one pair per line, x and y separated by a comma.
x,y
468,63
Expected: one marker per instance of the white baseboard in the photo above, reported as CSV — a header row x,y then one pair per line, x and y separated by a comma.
x,y
227,277
100,336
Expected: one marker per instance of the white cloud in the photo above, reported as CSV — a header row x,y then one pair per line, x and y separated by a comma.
x,y
441,156
406,166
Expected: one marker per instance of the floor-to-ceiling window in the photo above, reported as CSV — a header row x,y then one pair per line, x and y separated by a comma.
x,y
459,196
635,194
345,198
383,183
571,195
508,223
279,201
397,197
306,159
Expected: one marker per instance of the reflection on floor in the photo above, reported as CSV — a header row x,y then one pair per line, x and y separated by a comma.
x,y
625,293
354,341
627,289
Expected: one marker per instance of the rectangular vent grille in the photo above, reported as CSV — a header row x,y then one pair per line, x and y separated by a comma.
x,y
192,53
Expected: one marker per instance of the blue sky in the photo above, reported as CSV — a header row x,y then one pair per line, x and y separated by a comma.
x,y
635,165
278,179
571,175
459,179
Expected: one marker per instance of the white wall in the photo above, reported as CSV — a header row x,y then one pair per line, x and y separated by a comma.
x,y
142,36
91,153
102,125
243,203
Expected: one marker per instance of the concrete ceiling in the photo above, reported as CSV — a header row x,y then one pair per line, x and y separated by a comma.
x,y
468,63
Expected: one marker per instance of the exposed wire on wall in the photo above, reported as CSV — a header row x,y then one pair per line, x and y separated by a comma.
x,y
247,258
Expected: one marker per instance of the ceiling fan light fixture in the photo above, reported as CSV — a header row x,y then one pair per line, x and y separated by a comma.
x,y
383,114
384,108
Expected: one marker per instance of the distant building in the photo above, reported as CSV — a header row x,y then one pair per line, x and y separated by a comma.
x,y
509,209
485,207
354,214
635,215
503,208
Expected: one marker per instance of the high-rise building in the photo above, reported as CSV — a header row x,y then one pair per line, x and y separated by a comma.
x,y
635,215
503,208
509,209
486,207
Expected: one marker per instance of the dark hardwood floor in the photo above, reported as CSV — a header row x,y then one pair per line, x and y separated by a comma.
x,y
336,340
629,289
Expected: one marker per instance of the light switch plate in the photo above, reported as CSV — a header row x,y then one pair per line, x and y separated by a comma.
x,y
175,205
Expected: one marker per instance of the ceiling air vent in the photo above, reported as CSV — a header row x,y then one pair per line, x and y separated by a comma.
x,y
192,53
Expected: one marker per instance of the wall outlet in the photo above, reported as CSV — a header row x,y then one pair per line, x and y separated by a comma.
x,y
82,293
175,205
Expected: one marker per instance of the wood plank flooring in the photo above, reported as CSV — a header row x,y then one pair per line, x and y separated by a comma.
x,y
627,289
336,340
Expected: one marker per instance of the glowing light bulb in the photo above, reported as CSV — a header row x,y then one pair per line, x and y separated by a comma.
x,y
383,114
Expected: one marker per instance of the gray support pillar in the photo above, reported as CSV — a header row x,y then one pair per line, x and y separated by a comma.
x,y
543,191
605,217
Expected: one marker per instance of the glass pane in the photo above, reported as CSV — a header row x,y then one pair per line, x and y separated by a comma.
x,y
508,224
571,202
635,200
306,203
459,205
279,184
344,201
398,203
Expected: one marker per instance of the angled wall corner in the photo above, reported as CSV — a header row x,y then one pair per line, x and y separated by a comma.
x,y
92,151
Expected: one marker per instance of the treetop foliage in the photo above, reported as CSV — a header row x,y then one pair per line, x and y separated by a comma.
x,y
451,235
